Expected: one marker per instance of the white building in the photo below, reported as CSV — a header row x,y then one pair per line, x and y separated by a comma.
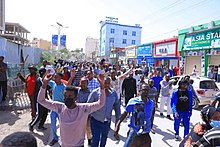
x,y
114,35
91,48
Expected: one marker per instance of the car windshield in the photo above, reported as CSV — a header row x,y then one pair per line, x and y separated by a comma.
x,y
208,85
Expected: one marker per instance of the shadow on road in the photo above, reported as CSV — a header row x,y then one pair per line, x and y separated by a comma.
x,y
165,134
9,117
43,135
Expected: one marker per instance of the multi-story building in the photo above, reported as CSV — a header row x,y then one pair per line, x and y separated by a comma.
x,y
16,33
40,43
91,48
115,36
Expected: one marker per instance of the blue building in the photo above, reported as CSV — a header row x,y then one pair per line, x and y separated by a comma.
x,y
115,36
145,53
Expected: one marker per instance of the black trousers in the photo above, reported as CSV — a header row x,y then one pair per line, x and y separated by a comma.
x,y
41,116
127,98
3,87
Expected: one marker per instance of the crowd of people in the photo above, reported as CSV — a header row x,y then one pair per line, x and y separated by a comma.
x,y
83,95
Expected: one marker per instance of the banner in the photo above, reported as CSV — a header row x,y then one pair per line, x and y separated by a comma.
x,y
208,39
54,40
62,41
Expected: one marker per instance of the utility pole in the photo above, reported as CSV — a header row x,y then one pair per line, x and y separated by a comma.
x,y
59,28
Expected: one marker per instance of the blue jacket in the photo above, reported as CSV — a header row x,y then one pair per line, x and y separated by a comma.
x,y
174,100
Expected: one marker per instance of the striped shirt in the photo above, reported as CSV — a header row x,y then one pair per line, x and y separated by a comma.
x,y
93,84
78,76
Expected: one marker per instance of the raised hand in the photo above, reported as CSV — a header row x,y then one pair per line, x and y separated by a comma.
x,y
101,80
73,73
47,78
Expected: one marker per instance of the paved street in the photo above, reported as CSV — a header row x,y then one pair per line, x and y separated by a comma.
x,y
164,137
17,120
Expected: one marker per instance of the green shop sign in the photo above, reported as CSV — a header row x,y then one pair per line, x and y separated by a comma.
x,y
204,40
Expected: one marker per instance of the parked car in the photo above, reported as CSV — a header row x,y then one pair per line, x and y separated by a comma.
x,y
205,88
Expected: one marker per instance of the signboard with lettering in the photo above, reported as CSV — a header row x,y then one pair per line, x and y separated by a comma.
x,y
203,40
144,51
130,52
165,49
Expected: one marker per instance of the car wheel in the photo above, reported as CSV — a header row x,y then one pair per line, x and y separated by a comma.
x,y
195,103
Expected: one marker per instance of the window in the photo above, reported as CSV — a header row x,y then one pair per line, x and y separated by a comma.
x,y
133,33
112,31
124,41
207,85
125,32
111,40
133,42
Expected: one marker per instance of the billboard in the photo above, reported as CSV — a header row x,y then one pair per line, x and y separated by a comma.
x,y
62,41
165,49
207,39
54,40
144,51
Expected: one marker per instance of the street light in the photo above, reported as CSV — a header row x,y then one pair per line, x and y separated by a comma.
x,y
59,28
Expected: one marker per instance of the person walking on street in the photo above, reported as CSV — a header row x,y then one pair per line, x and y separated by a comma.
x,y
73,115
182,107
157,79
82,97
152,96
101,119
129,87
3,78
194,71
166,86
58,96
93,82
79,75
42,111
30,81
140,123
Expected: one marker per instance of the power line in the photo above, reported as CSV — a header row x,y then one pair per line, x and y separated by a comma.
x,y
164,8
170,15
188,25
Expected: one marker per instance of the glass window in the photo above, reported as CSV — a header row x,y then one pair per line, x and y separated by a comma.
x,y
208,85
111,40
124,41
125,32
133,33
112,31
133,42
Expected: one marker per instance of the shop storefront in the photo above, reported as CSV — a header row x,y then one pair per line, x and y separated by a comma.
x,y
116,54
145,54
166,53
200,48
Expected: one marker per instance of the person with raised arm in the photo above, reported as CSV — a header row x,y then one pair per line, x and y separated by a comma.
x,y
73,116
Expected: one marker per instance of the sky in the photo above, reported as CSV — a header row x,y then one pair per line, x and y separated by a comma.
x,y
160,19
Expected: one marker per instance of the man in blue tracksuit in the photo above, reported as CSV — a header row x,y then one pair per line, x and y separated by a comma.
x,y
181,104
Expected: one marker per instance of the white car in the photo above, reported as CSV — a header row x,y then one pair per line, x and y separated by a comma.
x,y
205,89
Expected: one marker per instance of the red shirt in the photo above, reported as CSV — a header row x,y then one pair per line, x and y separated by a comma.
x,y
65,76
31,81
